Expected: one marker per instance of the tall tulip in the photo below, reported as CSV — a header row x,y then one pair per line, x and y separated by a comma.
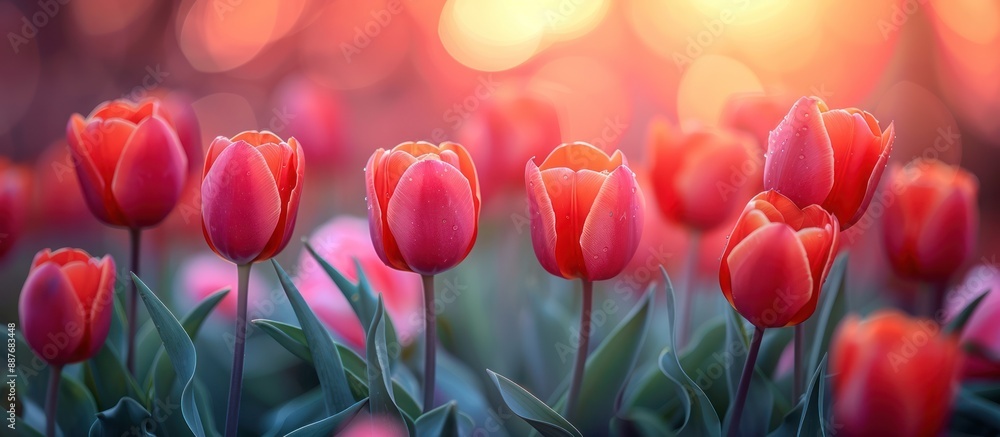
x,y
930,228
829,157
14,183
65,310
892,376
423,215
250,198
587,215
131,167
773,268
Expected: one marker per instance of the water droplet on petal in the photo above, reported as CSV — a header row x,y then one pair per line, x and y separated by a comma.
x,y
454,228
605,248
802,156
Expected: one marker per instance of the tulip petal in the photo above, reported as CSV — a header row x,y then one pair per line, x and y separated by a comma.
x,y
947,238
542,218
376,224
613,226
60,257
257,138
800,156
857,152
150,174
290,163
578,156
432,217
51,316
101,308
214,150
571,195
241,205
417,148
709,165
96,148
771,280
468,168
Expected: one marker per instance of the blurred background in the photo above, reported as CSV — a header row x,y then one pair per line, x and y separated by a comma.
x,y
508,79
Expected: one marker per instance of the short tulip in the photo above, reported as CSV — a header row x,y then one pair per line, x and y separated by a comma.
x,y
892,376
776,260
587,212
14,184
832,158
129,161
66,305
930,228
423,206
250,195
696,175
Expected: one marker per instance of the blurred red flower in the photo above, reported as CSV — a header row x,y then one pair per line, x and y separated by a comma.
x,y
14,191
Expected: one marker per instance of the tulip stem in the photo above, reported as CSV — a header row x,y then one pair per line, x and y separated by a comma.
x,y
430,341
51,401
236,380
581,350
686,299
799,351
741,393
135,237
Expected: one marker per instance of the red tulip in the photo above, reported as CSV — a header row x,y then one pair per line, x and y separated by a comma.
x,y
980,331
587,212
59,203
755,114
777,259
129,162
66,304
13,204
509,129
832,158
342,242
250,195
930,228
179,113
698,176
892,376
423,206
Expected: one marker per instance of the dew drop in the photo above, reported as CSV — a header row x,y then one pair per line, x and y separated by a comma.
x,y
454,228
611,214
565,177
595,256
802,156
605,248
443,221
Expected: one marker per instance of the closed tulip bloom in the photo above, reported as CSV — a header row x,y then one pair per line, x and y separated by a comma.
x,y
892,376
587,212
832,158
697,176
250,195
66,303
930,229
129,161
979,334
423,206
777,259
14,183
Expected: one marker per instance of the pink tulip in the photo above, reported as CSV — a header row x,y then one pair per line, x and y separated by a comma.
x,y
201,275
980,332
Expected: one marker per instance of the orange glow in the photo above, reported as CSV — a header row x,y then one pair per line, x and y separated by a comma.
x,y
707,84
217,36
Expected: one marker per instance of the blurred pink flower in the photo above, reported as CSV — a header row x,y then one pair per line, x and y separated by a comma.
x,y
981,329
372,426
201,275
340,241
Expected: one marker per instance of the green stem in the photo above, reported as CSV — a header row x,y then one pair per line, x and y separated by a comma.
x,y
741,393
236,380
799,350
430,342
581,351
135,235
51,401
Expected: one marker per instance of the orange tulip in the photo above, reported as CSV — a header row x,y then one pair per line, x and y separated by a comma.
x,y
892,376
66,304
777,259
587,212
930,228
423,206
698,177
129,162
14,187
250,195
832,158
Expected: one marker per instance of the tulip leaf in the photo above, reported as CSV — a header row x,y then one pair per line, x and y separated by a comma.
x,y
807,417
380,393
958,322
330,425
759,406
163,373
831,309
127,417
700,417
545,420
441,421
982,414
106,377
329,367
76,408
179,349
296,413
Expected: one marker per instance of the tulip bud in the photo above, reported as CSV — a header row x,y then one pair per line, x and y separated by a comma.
x,y
697,176
832,158
892,376
65,305
250,195
587,212
979,335
423,206
13,204
930,228
129,162
776,260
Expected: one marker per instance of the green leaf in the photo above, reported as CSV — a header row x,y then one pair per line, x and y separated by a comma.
x,y
832,308
328,426
380,396
982,413
108,380
127,417
76,408
163,374
441,421
545,420
807,418
700,417
958,322
179,348
329,367
756,417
